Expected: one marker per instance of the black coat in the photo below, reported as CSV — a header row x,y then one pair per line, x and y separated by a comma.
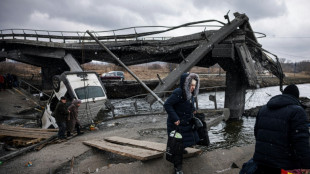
x,y
179,108
61,112
282,134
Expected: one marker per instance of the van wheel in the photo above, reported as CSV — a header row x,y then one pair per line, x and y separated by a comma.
x,y
56,83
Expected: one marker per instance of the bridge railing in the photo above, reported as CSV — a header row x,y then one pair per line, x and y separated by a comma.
x,y
67,36
129,33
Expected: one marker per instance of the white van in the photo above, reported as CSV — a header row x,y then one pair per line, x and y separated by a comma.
x,y
85,86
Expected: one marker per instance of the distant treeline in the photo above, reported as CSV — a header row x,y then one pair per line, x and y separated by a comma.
x,y
291,67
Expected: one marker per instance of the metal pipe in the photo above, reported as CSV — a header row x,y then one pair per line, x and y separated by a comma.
x,y
123,65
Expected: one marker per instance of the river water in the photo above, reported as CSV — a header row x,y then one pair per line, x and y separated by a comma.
x,y
225,134
241,132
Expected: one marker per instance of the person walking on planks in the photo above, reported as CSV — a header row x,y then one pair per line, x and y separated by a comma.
x,y
180,109
282,134
73,122
61,114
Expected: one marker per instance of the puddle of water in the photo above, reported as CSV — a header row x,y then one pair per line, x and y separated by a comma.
x,y
232,133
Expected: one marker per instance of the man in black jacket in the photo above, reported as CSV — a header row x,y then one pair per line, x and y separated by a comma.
x,y
282,134
61,114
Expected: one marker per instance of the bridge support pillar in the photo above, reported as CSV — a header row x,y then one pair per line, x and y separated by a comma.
x,y
235,93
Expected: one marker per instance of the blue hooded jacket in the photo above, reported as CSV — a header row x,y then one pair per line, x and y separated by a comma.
x,y
180,106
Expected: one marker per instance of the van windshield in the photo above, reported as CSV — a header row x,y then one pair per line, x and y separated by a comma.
x,y
89,92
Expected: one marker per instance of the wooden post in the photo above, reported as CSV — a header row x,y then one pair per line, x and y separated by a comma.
x,y
215,102
135,106
213,98
113,113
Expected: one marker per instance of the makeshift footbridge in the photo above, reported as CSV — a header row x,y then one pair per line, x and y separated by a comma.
x,y
233,46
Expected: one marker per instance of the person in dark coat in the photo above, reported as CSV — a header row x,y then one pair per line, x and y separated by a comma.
x,y
180,109
2,82
73,121
9,80
61,114
15,80
282,134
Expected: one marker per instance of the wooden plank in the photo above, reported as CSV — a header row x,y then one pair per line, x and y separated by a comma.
x,y
25,141
21,151
132,152
150,145
25,134
30,117
28,131
23,128
139,143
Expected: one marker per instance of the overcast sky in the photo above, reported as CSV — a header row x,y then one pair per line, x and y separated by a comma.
x,y
285,22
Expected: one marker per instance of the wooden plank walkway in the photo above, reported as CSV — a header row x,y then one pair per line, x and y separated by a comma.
x,y
26,132
150,145
140,150
133,152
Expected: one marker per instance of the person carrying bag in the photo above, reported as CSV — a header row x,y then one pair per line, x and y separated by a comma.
x,y
174,151
180,109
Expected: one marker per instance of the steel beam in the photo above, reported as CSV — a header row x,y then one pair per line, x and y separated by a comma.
x,y
192,59
123,65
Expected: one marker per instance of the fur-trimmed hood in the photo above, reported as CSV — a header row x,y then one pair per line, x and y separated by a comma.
x,y
185,83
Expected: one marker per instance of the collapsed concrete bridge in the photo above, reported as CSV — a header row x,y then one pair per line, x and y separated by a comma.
x,y
234,47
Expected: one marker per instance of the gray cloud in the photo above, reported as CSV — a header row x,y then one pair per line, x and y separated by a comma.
x,y
253,8
108,13
12,12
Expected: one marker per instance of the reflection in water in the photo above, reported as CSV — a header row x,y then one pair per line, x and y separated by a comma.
x,y
232,133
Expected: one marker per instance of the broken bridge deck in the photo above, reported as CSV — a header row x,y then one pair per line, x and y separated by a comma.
x,y
138,149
